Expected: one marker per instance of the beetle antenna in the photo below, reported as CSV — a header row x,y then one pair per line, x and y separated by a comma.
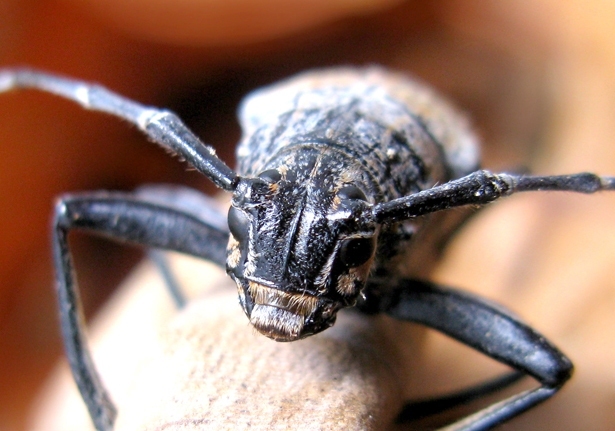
x,y
482,187
163,127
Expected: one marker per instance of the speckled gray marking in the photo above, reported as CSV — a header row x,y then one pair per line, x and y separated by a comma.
x,y
366,115
318,133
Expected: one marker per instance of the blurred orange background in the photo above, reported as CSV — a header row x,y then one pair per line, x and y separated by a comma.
x,y
538,79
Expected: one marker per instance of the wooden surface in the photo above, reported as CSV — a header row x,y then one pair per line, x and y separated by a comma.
x,y
536,77
205,368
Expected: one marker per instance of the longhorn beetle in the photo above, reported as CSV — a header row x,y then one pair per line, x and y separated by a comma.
x,y
339,174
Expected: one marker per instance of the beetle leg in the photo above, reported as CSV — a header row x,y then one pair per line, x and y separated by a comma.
x,y
189,201
161,262
186,200
415,410
125,218
487,328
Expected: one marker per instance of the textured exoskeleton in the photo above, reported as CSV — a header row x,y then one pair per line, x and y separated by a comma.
x,y
338,200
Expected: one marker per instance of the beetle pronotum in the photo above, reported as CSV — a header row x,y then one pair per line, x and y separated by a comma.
x,y
341,175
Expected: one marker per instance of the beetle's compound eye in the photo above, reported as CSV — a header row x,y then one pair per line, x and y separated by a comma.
x,y
352,192
271,176
238,223
356,251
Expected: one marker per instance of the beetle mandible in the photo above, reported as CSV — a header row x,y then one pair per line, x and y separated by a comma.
x,y
340,175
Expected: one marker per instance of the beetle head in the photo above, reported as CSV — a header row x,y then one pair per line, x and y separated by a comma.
x,y
300,248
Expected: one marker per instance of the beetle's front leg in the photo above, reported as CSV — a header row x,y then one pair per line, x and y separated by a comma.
x,y
486,328
125,218
189,201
